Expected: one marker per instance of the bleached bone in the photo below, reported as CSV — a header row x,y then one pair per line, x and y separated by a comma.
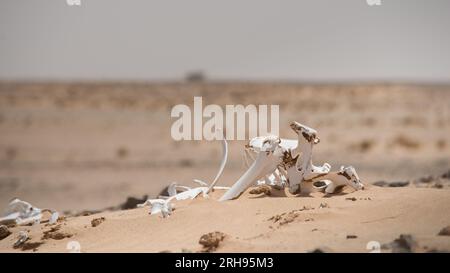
x,y
346,176
256,143
162,206
293,163
23,213
304,168
21,238
163,203
222,164
277,179
267,160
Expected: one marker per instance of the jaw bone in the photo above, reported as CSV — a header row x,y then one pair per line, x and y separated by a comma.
x,y
267,161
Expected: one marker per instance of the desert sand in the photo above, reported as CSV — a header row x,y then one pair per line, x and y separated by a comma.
x,y
276,223
87,147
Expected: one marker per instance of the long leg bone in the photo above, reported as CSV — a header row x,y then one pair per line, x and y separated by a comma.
x,y
266,162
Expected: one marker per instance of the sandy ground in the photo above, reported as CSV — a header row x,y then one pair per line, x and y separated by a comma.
x,y
250,224
75,147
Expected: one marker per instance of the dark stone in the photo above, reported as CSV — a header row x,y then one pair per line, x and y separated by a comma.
x,y
403,244
426,179
445,231
381,184
323,249
132,202
4,232
399,184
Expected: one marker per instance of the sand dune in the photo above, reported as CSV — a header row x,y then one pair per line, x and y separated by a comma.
x,y
258,223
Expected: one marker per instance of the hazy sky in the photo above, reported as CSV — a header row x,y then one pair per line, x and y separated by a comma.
x,y
227,39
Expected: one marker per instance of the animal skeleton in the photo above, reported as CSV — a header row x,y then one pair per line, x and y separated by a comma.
x,y
285,161
278,163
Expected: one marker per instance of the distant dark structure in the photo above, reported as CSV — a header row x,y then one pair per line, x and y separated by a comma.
x,y
195,77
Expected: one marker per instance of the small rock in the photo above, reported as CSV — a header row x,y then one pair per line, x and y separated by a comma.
x,y
132,202
399,184
391,184
350,198
55,234
426,179
211,241
404,244
323,205
261,189
4,232
97,221
322,249
381,184
445,231
446,175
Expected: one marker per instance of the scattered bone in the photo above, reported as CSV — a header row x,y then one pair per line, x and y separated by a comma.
x,y
211,241
97,221
261,189
351,236
163,204
445,231
20,212
4,232
21,238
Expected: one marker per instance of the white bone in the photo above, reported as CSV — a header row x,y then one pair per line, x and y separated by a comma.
x,y
21,238
304,169
23,213
266,162
200,182
222,164
294,166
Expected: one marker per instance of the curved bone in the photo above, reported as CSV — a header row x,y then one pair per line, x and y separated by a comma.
x,y
222,164
266,162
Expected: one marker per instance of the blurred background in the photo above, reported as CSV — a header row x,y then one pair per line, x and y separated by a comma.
x,y
86,90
